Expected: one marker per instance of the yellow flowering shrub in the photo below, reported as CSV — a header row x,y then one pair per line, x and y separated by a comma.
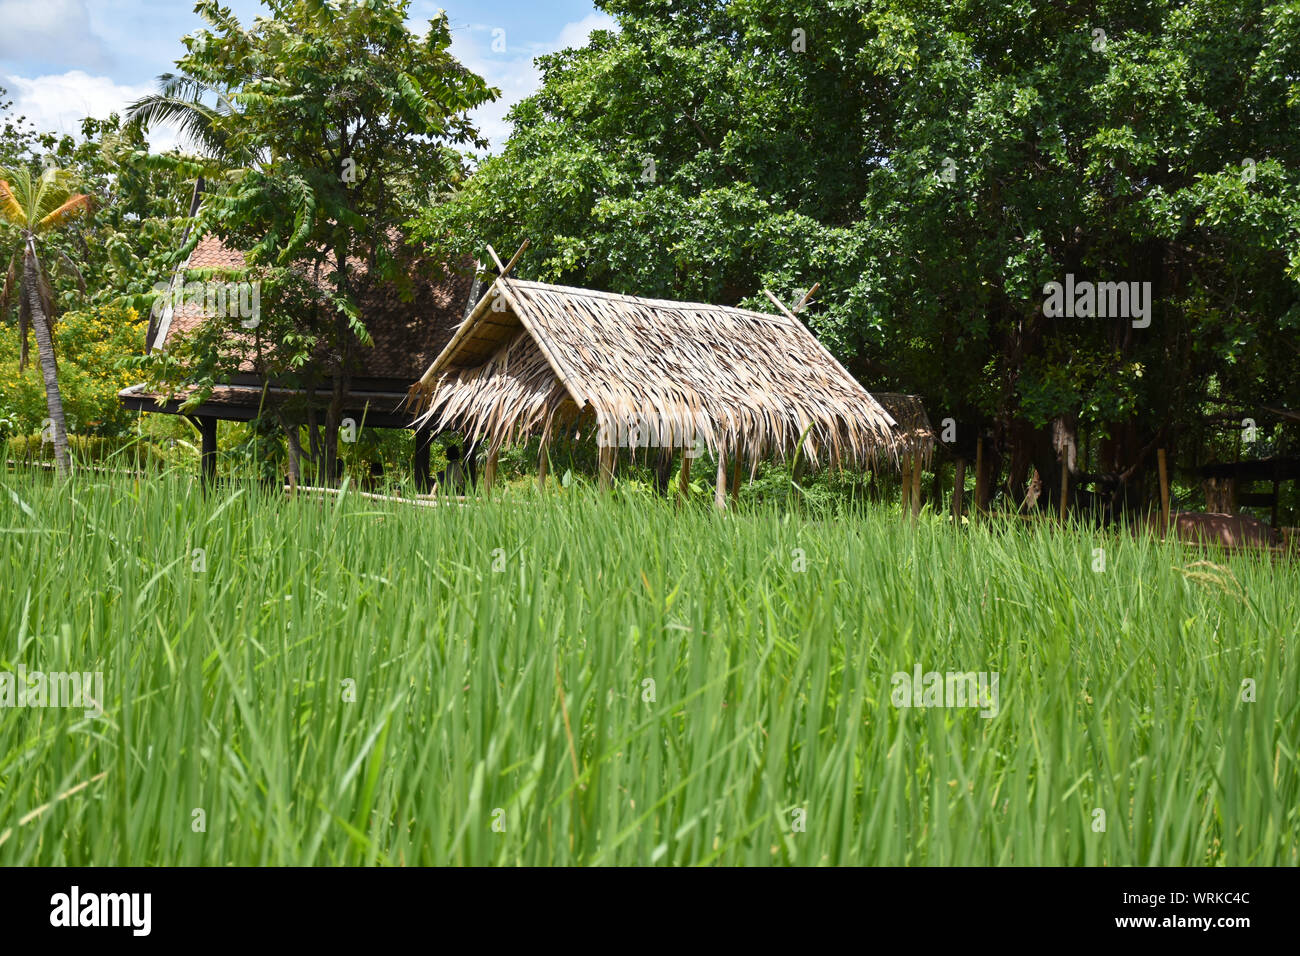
x,y
91,348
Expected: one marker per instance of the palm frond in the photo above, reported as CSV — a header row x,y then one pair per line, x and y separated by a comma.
x,y
10,208
70,209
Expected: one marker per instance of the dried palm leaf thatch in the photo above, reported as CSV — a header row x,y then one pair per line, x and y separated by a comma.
x,y
914,431
666,374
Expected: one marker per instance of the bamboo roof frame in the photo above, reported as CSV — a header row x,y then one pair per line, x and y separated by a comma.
x,y
532,355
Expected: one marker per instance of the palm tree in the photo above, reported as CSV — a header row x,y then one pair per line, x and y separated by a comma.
x,y
35,207
182,101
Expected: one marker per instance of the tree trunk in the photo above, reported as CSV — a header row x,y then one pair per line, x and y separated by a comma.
x,y
45,348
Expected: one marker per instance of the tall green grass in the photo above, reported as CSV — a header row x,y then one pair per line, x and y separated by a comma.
x,y
505,715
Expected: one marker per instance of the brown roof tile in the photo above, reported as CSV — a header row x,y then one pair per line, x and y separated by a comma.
x,y
407,335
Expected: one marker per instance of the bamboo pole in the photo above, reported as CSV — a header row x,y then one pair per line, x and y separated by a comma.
x,y
505,270
720,493
607,453
490,472
907,482
916,485
684,482
543,465
807,297
736,465
1163,464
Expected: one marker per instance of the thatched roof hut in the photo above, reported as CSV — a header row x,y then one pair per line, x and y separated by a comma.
x,y
532,356
916,435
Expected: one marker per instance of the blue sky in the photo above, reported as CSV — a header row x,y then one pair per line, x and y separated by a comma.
x,y
64,59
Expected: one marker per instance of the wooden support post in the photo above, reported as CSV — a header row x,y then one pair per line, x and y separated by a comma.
x,y
720,493
979,477
916,485
736,466
208,447
684,481
906,483
490,471
469,455
1065,487
606,455
543,465
1163,465
958,490
420,460
1277,493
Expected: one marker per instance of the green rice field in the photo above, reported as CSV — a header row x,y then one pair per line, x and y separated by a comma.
x,y
571,679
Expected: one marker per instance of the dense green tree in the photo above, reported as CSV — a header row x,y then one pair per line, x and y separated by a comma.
x,y
935,166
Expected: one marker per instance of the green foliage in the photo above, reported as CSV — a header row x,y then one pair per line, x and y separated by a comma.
x,y
934,166
92,347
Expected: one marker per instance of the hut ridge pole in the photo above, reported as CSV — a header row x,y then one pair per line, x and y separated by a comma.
x,y
505,270
1163,465
807,297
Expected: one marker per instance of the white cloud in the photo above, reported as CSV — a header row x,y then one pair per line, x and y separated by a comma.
x,y
54,31
578,33
59,102
512,70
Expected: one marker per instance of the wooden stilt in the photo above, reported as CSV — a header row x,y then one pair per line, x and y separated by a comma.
x,y
1065,488
420,459
684,482
1277,492
543,465
736,467
916,485
1163,465
208,447
907,482
720,493
490,471
958,489
607,453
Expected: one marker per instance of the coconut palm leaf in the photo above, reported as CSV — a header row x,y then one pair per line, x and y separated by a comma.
x,y
66,211
11,209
